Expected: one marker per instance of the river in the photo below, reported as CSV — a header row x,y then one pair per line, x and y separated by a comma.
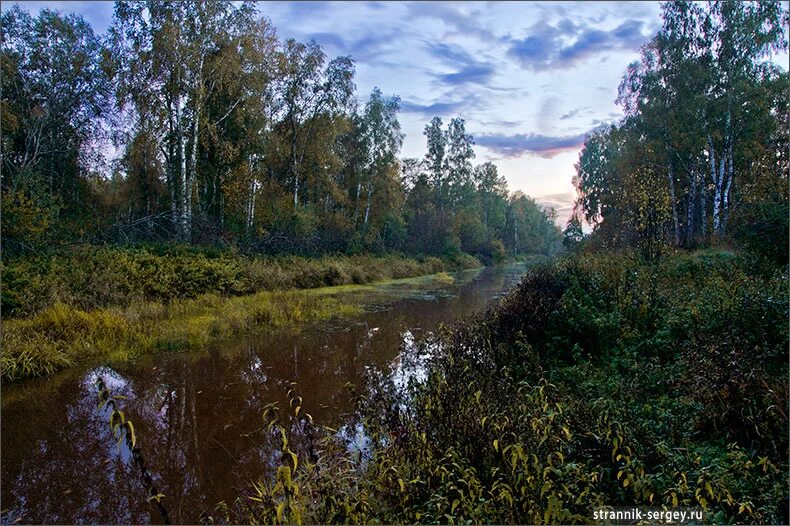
x,y
198,415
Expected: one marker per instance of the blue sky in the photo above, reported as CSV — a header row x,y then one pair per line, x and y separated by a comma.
x,y
530,78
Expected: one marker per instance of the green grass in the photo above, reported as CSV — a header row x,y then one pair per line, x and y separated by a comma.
x,y
60,336
116,303
90,277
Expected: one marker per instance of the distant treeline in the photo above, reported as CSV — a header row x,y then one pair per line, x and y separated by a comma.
x,y
226,134
702,154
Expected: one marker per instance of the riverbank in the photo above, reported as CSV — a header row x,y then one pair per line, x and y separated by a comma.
x,y
118,303
601,380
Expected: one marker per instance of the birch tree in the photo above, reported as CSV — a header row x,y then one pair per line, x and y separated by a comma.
x,y
382,138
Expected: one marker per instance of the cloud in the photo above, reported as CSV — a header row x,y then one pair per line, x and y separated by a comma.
x,y
469,70
449,53
562,203
441,109
458,20
369,46
477,74
541,145
566,43
559,201
98,14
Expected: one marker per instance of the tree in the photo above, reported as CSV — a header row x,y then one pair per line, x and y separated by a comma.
x,y
457,163
434,157
573,233
699,110
55,97
161,52
382,137
309,96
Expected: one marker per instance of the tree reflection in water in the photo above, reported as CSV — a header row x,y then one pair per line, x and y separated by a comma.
x,y
198,415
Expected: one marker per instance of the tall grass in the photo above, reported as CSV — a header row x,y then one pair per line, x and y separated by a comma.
x,y
90,278
61,335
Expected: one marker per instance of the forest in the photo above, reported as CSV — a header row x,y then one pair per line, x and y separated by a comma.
x,y
227,135
642,360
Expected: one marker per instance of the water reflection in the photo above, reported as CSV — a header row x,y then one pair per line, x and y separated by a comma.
x,y
197,416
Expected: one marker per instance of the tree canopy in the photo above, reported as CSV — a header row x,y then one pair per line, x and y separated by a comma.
x,y
227,134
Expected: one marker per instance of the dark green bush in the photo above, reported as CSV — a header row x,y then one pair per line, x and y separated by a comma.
x,y
599,380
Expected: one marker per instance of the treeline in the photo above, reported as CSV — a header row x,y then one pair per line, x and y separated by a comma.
x,y
227,134
702,154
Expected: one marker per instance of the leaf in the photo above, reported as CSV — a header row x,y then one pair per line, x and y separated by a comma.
x,y
402,485
284,439
132,437
496,444
158,497
294,459
567,432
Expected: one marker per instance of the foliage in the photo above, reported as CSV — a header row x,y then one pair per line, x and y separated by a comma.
x,y
704,139
115,304
90,278
600,380
228,136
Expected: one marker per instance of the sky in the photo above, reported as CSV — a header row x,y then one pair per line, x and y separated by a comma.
x,y
529,78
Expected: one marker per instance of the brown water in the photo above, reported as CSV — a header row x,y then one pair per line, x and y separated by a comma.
x,y
198,415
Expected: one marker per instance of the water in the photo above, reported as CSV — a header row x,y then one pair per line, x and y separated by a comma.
x,y
198,415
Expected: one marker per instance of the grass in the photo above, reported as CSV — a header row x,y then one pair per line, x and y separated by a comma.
x,y
91,278
600,380
117,303
61,335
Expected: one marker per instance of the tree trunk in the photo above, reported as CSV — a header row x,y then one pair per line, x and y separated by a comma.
x,y
703,211
727,189
170,155
294,164
182,173
356,203
691,210
674,204
716,180
250,219
717,197
367,206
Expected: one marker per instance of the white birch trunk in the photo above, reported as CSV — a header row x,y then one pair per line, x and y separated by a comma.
x,y
717,196
674,204
367,207
727,188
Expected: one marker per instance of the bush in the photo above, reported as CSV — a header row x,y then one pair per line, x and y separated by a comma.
x,y
599,380
89,278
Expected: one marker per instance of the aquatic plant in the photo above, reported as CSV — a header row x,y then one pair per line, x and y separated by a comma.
x,y
123,430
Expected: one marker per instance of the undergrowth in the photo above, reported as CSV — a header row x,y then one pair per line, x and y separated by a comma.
x,y
61,335
90,277
600,380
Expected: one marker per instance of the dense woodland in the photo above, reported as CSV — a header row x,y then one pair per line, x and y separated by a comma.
x,y
702,154
225,135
